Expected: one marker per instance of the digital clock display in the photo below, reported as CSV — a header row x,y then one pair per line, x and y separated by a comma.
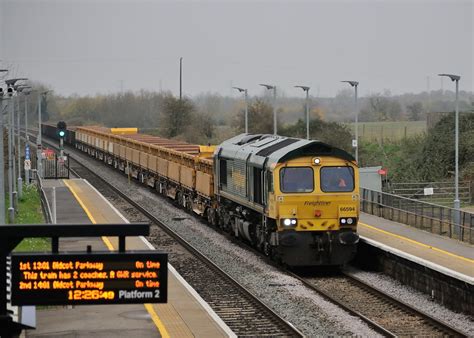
x,y
89,278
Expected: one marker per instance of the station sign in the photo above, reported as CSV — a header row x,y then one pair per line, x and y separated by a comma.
x,y
89,278
27,152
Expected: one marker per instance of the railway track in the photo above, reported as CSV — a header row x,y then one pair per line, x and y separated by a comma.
x,y
243,313
380,311
385,314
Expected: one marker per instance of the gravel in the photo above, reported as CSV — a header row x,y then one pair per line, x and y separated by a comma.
x,y
285,295
305,309
417,299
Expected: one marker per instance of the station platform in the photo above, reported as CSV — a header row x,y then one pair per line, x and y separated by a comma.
x,y
185,315
445,255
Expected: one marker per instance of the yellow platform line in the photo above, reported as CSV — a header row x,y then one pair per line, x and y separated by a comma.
x,y
83,206
418,243
156,320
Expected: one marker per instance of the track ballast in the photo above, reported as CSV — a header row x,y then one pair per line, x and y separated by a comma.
x,y
243,313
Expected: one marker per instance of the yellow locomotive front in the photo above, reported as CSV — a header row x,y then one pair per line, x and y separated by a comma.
x,y
296,200
315,202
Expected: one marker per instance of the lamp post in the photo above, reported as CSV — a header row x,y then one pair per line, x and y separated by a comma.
x,y
27,138
17,180
11,209
246,107
269,87
39,164
11,170
457,203
2,164
180,78
20,89
306,89
355,143
18,152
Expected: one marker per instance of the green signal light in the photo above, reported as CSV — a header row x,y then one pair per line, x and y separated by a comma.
x,y
62,133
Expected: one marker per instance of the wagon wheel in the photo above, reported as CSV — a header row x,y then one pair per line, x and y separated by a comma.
x,y
177,198
190,204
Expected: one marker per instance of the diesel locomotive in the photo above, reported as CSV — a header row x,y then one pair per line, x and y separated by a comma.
x,y
295,200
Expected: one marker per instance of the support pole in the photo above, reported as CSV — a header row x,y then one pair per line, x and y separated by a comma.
x,y
11,209
53,205
307,114
356,126
246,112
39,166
275,128
20,181
2,168
180,78
27,141
12,139
457,202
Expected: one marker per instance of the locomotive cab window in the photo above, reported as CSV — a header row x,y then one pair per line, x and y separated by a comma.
x,y
337,179
296,179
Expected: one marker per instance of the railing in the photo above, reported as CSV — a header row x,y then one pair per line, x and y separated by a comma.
x,y
44,200
422,215
55,167
441,192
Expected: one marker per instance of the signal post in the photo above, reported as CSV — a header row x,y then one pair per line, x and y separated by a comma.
x,y
61,127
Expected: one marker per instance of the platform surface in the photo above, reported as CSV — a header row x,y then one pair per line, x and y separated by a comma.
x,y
443,251
185,314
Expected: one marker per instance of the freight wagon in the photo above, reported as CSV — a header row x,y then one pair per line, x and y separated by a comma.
x,y
295,200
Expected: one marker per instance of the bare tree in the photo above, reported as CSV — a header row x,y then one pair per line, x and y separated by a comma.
x,y
260,117
176,115
414,111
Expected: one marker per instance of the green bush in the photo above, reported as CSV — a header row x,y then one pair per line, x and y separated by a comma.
x,y
425,157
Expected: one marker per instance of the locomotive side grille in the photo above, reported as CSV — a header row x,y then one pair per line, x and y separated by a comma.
x,y
236,178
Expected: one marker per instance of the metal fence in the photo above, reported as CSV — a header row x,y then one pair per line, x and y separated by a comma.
x,y
55,167
44,200
434,192
422,215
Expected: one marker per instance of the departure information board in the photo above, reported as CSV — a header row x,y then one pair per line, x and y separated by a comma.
x,y
89,278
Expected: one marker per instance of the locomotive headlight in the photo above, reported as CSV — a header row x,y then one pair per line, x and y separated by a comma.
x,y
347,221
316,161
288,222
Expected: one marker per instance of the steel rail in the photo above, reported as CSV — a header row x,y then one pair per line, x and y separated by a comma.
x,y
283,327
442,328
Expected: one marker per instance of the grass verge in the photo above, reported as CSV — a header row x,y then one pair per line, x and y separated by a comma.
x,y
29,212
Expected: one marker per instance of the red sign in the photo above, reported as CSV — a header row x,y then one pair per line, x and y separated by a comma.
x,y
382,171
48,153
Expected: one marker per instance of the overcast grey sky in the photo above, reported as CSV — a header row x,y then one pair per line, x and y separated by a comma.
x,y
87,47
